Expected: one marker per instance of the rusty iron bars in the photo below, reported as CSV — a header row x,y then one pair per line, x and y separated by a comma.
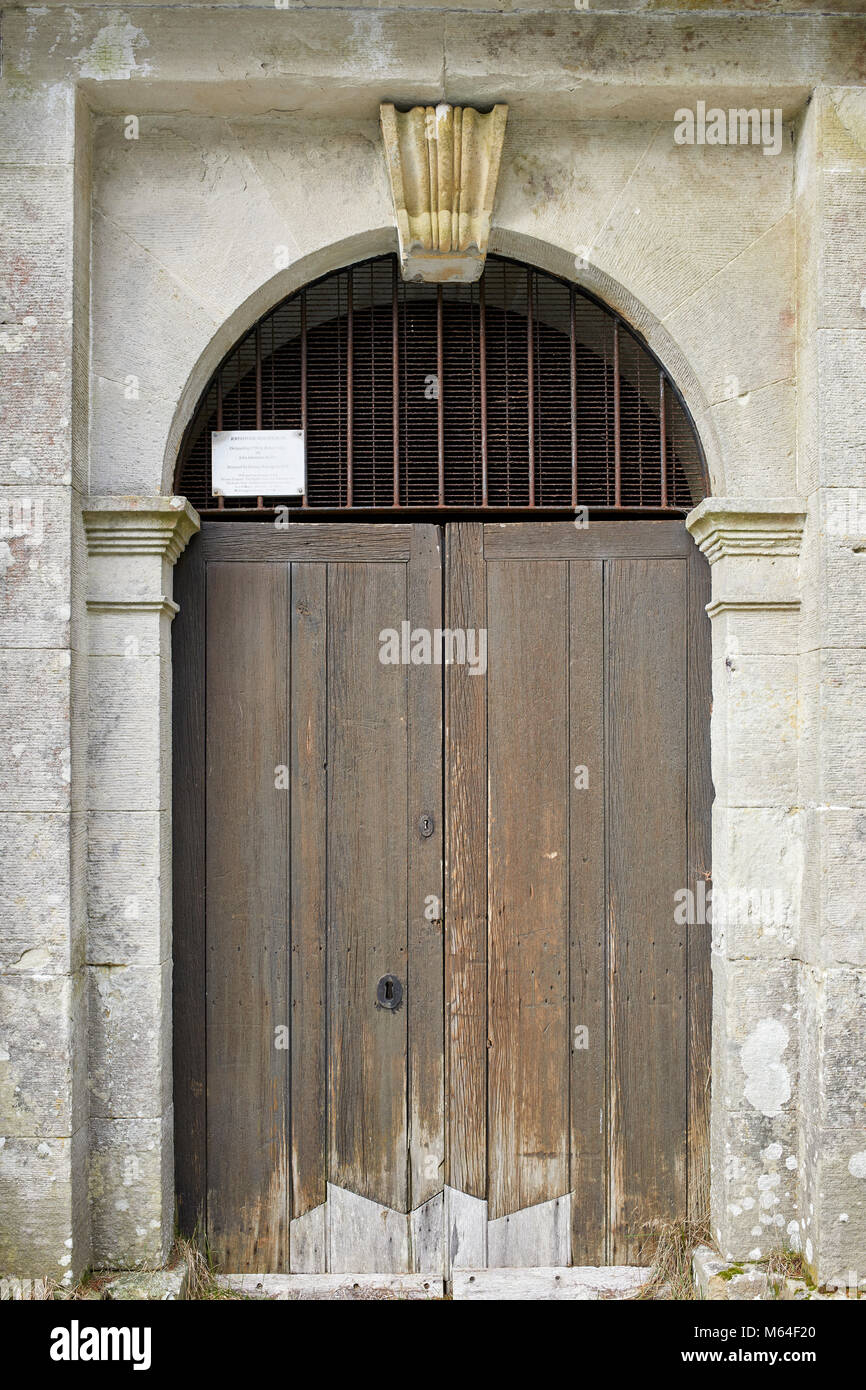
x,y
520,392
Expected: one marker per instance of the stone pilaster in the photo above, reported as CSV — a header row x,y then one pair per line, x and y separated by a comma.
x,y
753,547
132,546
44,338
831,207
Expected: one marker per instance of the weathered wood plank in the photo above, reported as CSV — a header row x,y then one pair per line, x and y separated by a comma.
x,y
577,1285
539,1235
700,799
365,1237
308,540
427,1233
465,1230
600,540
308,1242
647,864
188,875
367,890
529,777
308,1061
425,997
587,912
247,916
336,1288
466,875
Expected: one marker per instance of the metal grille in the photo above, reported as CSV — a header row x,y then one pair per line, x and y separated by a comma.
x,y
518,391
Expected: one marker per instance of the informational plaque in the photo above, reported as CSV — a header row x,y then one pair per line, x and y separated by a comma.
x,y
258,463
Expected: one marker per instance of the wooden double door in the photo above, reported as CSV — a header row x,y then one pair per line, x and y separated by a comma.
x,y
433,1006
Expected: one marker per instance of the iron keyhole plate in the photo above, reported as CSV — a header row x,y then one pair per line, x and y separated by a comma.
x,y
389,992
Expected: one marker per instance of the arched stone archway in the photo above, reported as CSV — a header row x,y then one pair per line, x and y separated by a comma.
x,y
159,529
619,657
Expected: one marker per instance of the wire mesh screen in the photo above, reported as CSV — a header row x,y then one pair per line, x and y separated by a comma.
x,y
517,391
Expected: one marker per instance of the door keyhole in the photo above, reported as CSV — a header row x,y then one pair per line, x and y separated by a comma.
x,y
389,993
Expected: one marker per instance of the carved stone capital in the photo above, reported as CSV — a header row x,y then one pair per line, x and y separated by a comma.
x,y
753,545
139,526
723,526
443,162
132,546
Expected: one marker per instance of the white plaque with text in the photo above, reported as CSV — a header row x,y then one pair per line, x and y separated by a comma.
x,y
258,463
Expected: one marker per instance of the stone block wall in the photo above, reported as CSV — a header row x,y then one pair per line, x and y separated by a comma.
x,y
44,338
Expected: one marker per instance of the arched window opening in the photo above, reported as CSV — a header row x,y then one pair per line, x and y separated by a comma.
x,y
519,392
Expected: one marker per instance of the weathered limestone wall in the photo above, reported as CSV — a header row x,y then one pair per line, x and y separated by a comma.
x,y
256,166
831,187
45,177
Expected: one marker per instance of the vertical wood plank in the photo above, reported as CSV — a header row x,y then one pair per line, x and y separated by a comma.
x,y
308,719
367,883
425,993
646,672
700,799
188,876
308,1241
364,1237
528,749
535,1236
465,1231
466,875
587,912
247,916
427,1236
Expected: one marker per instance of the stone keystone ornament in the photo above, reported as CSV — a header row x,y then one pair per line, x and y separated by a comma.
x,y
443,162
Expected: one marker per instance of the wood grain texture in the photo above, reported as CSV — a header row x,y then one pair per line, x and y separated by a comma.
x,y
700,800
308,1242
466,875
427,1234
465,1230
595,663
528,749
425,984
587,912
308,822
646,675
577,1285
188,877
367,884
308,540
365,1237
247,916
334,1288
601,540
539,1235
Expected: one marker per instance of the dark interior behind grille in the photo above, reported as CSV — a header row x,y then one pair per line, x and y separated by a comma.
x,y
517,391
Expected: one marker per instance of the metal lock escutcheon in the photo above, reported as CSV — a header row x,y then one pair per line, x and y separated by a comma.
x,y
389,992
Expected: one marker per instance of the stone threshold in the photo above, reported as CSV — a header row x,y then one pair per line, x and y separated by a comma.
x,y
122,1286
720,1280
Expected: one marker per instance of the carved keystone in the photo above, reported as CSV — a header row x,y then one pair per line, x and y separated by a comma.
x,y
443,162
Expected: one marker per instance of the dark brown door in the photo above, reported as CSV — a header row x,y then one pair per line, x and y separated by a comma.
x,y
578,795
304,765
378,1067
